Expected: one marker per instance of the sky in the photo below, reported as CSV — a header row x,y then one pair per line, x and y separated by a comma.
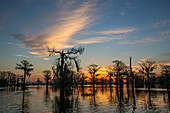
x,y
107,29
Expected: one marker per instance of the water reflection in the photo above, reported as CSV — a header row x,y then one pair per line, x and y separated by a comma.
x,y
62,104
25,102
106,99
47,96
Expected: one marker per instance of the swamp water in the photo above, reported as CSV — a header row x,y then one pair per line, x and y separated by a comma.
x,y
39,100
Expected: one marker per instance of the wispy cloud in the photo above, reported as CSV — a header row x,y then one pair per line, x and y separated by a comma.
x,y
19,55
34,53
165,32
127,5
163,55
161,23
118,31
126,42
40,56
151,40
95,40
144,40
165,35
163,62
46,58
163,58
67,23
11,43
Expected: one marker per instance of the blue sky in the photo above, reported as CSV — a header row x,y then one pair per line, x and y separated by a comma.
x,y
108,29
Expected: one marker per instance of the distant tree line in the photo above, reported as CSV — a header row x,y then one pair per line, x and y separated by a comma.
x,y
66,76
7,78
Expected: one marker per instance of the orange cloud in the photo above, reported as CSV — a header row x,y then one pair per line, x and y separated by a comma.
x,y
34,53
46,58
22,55
95,40
68,22
118,31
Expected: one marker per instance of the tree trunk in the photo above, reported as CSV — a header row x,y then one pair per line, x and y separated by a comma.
x,y
23,104
62,63
93,85
47,84
127,81
167,82
61,74
24,79
132,83
82,83
110,81
117,81
148,81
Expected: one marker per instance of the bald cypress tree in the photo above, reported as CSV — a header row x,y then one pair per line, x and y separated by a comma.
x,y
147,68
92,69
27,68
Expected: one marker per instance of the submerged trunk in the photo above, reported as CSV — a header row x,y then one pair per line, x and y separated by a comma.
x,y
24,79
167,82
23,104
117,81
62,101
110,82
148,81
61,73
128,81
47,84
132,82
93,85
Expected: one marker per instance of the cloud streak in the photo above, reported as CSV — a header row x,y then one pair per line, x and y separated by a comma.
x,y
163,58
161,23
118,31
67,23
144,40
34,53
19,55
95,40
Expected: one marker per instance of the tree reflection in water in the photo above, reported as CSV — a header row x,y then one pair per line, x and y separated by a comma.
x,y
169,98
47,96
121,100
25,107
63,104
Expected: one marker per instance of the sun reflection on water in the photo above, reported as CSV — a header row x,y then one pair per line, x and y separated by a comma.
x,y
41,100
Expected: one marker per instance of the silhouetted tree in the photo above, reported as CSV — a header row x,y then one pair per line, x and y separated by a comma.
x,y
102,81
69,75
76,78
132,82
165,71
27,68
127,75
92,69
17,80
119,70
105,82
13,79
47,75
64,61
62,70
82,79
3,78
146,68
38,81
110,72
9,77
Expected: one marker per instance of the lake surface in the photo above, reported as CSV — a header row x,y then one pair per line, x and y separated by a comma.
x,y
39,100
